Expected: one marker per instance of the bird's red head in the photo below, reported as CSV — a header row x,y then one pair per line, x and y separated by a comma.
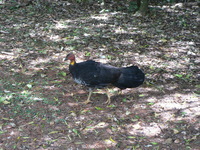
x,y
71,57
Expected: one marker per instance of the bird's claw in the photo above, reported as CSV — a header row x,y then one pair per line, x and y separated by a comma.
x,y
108,101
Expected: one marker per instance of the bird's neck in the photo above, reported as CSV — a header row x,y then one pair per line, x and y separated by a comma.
x,y
73,62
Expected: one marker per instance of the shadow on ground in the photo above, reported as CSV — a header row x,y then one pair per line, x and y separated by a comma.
x,y
41,105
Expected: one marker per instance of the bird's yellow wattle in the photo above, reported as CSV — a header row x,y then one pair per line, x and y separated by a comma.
x,y
72,62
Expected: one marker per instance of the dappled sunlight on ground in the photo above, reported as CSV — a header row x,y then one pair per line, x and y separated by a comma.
x,y
41,106
143,129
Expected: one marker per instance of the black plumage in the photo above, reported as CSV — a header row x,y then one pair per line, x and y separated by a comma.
x,y
94,74
130,77
98,75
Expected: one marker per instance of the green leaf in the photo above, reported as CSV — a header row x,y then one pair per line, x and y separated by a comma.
x,y
31,122
152,67
112,140
164,40
179,75
2,132
124,100
75,131
68,42
98,108
141,95
62,73
6,102
42,51
134,120
25,137
109,57
131,137
111,106
5,119
151,103
2,99
87,54
183,113
154,143
197,86
188,76
53,132
137,117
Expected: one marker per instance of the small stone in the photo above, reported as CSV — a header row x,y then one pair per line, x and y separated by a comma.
x,y
52,123
168,141
10,125
175,131
191,43
177,141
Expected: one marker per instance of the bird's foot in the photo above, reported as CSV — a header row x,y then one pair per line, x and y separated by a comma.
x,y
108,101
109,95
86,102
119,92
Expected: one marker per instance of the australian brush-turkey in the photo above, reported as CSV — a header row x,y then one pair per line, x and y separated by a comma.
x,y
98,75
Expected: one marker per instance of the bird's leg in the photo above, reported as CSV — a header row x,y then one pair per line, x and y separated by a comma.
x,y
119,92
109,95
88,99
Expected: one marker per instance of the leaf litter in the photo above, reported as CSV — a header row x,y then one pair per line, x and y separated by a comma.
x,y
40,103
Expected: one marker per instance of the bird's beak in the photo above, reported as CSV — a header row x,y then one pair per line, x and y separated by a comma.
x,y
65,59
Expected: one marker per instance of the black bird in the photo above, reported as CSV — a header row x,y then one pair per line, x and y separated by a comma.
x,y
130,77
98,75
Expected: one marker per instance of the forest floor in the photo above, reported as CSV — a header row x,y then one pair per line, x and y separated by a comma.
x,y
40,104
